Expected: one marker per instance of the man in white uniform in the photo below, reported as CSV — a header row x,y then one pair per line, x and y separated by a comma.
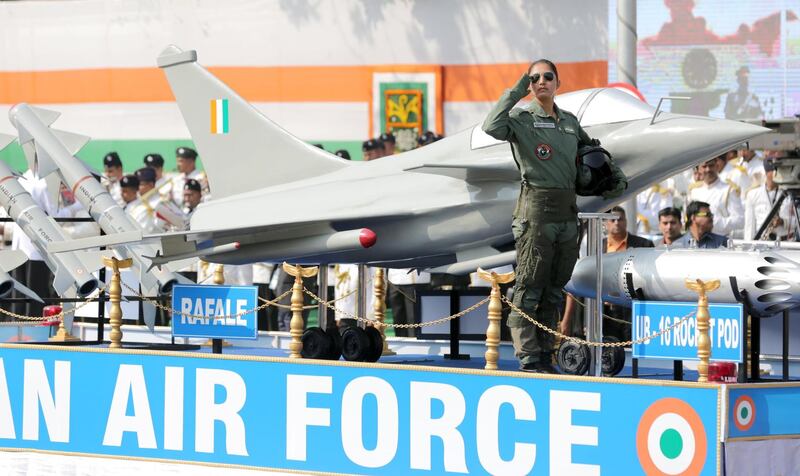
x,y
186,160
648,204
724,199
759,201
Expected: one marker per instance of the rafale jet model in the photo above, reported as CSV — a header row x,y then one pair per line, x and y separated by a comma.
x,y
277,198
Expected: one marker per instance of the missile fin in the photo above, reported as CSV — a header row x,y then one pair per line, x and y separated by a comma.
x,y
53,186
5,140
26,290
71,141
92,260
11,259
29,151
45,165
69,307
47,116
149,310
63,281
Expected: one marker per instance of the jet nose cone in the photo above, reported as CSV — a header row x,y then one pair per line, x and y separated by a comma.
x,y
584,277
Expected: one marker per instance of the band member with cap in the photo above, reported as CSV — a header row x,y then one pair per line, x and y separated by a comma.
x,y
192,196
129,185
372,149
186,160
112,173
343,153
154,213
387,138
163,182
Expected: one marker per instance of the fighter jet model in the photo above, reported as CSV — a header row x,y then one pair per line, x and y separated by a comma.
x,y
768,280
50,151
278,198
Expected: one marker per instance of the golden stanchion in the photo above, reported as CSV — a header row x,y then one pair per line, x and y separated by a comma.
x,y
703,340
379,308
495,314
62,335
115,296
296,325
748,357
219,278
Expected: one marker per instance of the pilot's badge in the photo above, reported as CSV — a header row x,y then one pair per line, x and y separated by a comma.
x,y
543,151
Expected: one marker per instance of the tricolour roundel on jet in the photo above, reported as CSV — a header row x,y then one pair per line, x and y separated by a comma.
x,y
671,439
744,413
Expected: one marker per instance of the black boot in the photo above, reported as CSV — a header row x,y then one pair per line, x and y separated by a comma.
x,y
545,364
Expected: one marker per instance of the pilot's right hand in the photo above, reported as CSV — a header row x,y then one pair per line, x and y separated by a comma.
x,y
523,86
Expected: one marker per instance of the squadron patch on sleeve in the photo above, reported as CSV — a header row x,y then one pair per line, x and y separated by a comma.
x,y
543,151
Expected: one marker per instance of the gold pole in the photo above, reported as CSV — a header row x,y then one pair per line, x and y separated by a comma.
x,y
115,296
219,278
747,357
296,324
219,274
495,314
63,335
703,340
379,308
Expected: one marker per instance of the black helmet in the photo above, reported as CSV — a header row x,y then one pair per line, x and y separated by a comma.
x,y
594,173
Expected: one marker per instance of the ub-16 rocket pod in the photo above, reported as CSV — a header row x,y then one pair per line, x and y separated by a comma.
x,y
771,278
71,268
49,151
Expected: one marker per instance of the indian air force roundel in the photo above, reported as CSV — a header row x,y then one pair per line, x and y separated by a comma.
x,y
544,151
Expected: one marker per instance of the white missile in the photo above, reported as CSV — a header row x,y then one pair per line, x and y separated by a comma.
x,y
48,151
767,280
70,269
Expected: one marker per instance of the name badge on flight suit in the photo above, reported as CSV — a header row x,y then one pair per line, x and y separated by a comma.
x,y
569,130
544,125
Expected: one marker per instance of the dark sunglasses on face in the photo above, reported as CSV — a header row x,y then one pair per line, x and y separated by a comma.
x,y
548,76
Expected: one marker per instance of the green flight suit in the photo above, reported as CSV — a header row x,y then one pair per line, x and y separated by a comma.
x,y
545,221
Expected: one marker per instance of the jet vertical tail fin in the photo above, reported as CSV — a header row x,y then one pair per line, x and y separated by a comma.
x,y
240,148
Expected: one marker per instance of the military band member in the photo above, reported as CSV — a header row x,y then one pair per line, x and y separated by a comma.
x,y
746,170
759,201
129,186
186,160
163,182
192,196
724,199
648,204
153,213
112,173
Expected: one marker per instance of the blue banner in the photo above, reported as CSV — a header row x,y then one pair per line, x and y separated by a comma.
x,y
215,312
351,418
763,410
680,343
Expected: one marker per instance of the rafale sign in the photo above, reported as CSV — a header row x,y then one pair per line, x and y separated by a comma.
x,y
349,419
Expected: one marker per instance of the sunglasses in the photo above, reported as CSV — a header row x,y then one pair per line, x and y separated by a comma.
x,y
548,76
704,214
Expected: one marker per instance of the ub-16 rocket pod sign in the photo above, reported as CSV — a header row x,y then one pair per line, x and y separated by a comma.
x,y
351,418
680,343
214,312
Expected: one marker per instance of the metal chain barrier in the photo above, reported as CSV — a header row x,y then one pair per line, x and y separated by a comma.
x,y
54,317
596,344
398,326
175,312
310,306
605,316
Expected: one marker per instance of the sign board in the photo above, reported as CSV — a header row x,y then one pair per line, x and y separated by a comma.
x,y
354,418
212,311
650,317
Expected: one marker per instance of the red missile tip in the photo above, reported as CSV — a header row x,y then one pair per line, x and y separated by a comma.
x,y
367,237
236,245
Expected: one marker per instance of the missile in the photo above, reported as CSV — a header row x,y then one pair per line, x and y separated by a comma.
x,y
48,151
767,280
9,260
72,269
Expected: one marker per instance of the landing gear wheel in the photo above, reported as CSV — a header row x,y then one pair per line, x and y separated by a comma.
x,y
356,344
316,344
336,343
573,358
376,344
